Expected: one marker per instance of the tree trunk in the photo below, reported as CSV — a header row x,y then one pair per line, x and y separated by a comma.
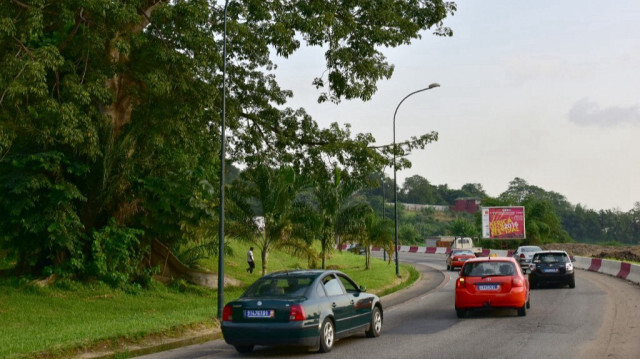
x,y
264,255
367,255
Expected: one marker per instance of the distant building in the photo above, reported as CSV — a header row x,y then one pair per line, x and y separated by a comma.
x,y
466,204
419,207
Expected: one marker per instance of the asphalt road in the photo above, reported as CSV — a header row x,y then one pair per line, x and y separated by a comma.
x,y
600,318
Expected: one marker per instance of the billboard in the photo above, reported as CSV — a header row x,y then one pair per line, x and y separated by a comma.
x,y
503,223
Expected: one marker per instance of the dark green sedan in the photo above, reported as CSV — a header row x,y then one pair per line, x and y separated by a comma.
x,y
311,308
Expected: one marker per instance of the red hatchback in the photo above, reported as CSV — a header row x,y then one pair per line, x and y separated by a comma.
x,y
457,257
495,282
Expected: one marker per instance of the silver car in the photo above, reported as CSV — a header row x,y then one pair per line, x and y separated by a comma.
x,y
524,254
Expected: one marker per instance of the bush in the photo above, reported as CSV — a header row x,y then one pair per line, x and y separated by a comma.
x,y
116,255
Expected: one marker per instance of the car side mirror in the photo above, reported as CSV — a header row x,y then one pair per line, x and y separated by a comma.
x,y
363,288
573,259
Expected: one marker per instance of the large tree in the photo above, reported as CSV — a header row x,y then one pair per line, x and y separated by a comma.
x,y
109,110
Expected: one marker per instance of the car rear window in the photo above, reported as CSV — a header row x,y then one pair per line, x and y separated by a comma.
x,y
483,269
551,258
288,287
463,252
531,249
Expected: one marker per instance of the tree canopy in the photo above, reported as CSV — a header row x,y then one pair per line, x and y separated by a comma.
x,y
110,112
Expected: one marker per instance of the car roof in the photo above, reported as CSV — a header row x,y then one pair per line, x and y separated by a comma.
x,y
492,259
301,272
557,251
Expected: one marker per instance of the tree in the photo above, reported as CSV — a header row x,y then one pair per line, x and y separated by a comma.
x,y
275,190
109,108
542,223
417,189
461,227
332,190
359,224
473,190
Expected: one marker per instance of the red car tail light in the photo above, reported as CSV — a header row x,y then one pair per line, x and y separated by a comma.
x,y
460,283
226,313
521,255
517,282
296,313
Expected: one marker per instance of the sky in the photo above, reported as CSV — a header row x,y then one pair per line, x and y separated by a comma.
x,y
548,91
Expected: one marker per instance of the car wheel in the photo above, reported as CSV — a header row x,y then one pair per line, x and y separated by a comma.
x,y
572,284
529,302
326,336
376,323
522,311
244,348
461,313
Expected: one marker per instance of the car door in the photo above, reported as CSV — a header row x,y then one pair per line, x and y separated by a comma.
x,y
339,301
362,304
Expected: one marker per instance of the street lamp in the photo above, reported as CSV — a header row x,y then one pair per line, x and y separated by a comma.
x,y
395,187
222,157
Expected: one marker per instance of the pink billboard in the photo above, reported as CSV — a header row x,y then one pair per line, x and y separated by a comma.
x,y
503,222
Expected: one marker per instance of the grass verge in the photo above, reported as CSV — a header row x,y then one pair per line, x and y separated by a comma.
x,y
67,318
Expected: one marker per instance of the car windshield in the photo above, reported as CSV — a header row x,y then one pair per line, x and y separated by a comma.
x,y
489,268
461,253
531,249
551,258
283,286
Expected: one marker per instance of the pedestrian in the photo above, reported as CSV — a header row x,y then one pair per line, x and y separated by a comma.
x,y
250,260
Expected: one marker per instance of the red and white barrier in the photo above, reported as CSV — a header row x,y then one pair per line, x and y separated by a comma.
x,y
624,270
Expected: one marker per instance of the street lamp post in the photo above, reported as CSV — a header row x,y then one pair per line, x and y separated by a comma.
x,y
395,187
222,158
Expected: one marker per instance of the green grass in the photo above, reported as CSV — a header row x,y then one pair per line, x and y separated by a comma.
x,y
56,320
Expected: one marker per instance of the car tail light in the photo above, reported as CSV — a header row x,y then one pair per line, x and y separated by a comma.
x,y
226,313
521,255
296,313
569,267
516,282
460,283
532,267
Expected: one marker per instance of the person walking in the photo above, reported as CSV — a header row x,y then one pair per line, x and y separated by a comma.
x,y
250,261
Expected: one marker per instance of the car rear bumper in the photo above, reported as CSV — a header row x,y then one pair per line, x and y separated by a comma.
x,y
294,333
551,277
516,298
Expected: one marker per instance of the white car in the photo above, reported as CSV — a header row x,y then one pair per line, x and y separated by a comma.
x,y
524,254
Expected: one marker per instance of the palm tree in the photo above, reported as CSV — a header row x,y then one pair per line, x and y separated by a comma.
x,y
331,194
274,191
359,224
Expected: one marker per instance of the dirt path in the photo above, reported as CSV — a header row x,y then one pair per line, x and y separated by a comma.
x,y
622,253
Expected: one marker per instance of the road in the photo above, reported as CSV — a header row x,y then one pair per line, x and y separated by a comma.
x,y
600,318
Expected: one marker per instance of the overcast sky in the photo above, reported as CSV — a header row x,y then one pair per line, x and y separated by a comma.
x,y
548,91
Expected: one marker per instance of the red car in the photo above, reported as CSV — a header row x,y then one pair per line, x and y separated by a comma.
x,y
457,257
491,282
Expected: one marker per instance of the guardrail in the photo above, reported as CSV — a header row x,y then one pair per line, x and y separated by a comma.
x,y
623,270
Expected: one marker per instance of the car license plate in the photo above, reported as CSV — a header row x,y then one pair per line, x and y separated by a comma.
x,y
550,270
259,313
488,286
